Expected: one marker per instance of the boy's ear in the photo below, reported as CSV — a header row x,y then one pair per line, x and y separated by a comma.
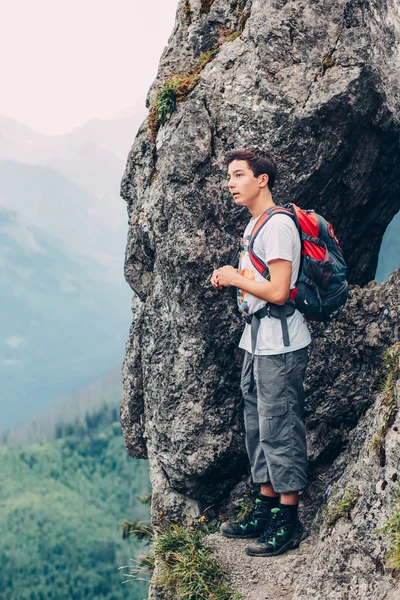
x,y
264,179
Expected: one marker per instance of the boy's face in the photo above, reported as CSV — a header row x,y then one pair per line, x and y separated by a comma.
x,y
244,187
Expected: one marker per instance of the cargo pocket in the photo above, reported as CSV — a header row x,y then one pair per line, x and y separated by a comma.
x,y
246,374
273,417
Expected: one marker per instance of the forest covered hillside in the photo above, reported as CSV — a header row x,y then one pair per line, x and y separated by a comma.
x,y
61,507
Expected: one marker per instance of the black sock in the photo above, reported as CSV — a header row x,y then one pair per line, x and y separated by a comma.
x,y
290,509
271,500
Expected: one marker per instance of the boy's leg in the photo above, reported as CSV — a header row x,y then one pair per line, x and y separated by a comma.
x,y
280,383
256,521
268,490
280,386
258,463
292,498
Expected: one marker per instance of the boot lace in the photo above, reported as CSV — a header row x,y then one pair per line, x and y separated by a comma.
x,y
273,526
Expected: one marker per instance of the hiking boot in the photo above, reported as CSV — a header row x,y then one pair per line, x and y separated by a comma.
x,y
284,532
253,525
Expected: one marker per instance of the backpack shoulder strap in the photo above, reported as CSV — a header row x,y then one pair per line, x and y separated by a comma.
x,y
259,264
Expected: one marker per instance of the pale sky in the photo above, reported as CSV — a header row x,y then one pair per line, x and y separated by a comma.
x,y
65,61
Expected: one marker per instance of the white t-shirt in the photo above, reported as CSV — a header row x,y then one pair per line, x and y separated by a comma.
x,y
278,238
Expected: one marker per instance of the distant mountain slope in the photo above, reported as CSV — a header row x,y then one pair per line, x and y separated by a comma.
x,y
61,327
94,168
45,198
61,506
93,156
72,408
38,173
65,306
115,136
389,255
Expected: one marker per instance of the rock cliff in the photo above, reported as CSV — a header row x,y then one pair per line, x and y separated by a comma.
x,y
354,456
316,83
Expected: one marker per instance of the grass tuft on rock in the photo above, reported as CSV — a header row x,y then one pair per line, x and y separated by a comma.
x,y
187,11
392,531
205,6
339,506
391,372
388,407
137,529
240,11
245,506
179,86
228,35
186,567
146,499
378,443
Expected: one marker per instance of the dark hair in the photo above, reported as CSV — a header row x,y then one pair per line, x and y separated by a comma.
x,y
259,161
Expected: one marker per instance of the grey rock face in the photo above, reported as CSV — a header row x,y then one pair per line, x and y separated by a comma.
x,y
345,362
349,558
316,82
344,559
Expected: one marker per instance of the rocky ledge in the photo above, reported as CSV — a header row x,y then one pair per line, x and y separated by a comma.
x,y
316,83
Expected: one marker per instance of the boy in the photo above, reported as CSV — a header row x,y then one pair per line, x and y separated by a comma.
x,y
273,373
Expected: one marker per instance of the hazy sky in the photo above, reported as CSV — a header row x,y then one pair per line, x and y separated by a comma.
x,y
65,61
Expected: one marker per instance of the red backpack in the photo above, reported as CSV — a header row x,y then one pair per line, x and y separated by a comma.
x,y
321,287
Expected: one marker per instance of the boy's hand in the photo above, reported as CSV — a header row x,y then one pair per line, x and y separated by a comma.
x,y
214,280
225,276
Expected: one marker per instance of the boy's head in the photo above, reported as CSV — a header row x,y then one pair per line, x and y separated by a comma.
x,y
251,171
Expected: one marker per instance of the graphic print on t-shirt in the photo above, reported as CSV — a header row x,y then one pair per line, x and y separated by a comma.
x,y
247,270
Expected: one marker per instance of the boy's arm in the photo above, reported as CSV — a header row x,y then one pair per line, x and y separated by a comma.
x,y
276,290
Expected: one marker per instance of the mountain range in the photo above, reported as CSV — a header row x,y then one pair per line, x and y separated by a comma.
x,y
65,306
